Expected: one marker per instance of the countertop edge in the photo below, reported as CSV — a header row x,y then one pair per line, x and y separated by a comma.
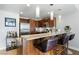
x,y
36,36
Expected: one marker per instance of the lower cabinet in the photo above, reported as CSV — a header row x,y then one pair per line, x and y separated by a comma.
x,y
31,50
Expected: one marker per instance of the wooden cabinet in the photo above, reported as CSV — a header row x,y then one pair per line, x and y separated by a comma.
x,y
32,26
47,22
36,23
22,20
52,22
20,51
29,49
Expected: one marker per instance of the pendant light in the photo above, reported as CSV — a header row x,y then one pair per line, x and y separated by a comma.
x,y
37,12
51,15
59,21
59,18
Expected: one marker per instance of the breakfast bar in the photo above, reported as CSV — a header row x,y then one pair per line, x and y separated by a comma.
x,y
37,44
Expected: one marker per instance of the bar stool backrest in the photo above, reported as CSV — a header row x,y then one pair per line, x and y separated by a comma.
x,y
61,39
51,44
66,39
72,36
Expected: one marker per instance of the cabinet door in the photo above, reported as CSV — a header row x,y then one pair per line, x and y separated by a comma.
x,y
47,22
52,22
40,23
36,23
20,51
25,47
32,26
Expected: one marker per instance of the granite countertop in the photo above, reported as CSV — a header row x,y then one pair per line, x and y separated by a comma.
x,y
41,35
27,33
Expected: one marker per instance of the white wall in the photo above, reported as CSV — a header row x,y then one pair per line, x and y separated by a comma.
x,y
73,21
4,29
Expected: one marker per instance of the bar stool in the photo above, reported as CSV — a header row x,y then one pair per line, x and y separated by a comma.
x,y
72,36
62,39
51,45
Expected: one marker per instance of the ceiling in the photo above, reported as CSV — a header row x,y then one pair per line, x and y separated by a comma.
x,y
29,12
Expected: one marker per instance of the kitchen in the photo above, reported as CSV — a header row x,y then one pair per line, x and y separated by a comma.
x,y
23,34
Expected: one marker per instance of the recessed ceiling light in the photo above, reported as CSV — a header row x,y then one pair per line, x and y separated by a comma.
x,y
21,12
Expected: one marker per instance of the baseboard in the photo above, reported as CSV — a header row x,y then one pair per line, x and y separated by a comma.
x,y
73,48
2,48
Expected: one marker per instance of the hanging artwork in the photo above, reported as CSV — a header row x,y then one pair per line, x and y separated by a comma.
x,y
10,22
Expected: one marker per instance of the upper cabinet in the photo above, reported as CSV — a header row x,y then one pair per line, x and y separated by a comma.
x,y
52,22
22,20
30,25
46,22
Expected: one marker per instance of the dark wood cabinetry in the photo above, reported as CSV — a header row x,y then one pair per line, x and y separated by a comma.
x,y
22,20
44,22
52,23
47,22
32,26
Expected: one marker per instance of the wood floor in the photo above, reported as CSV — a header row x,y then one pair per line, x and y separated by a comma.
x,y
74,52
